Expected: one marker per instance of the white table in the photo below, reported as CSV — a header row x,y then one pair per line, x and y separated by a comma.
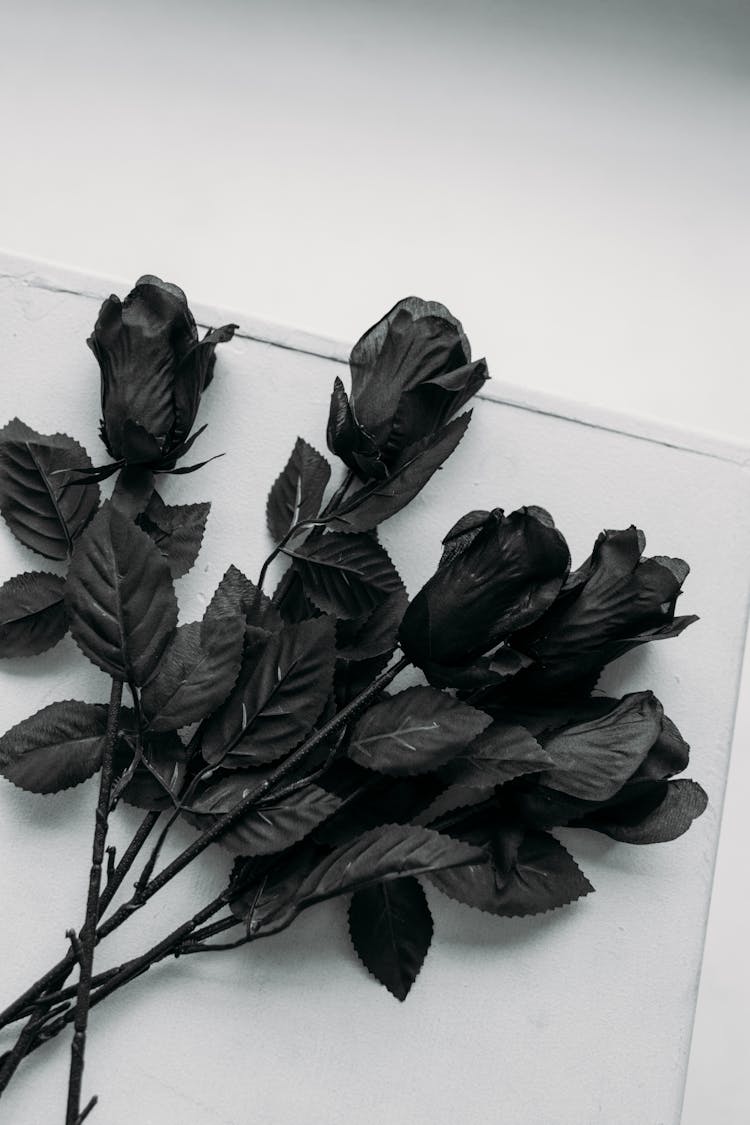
x,y
583,1016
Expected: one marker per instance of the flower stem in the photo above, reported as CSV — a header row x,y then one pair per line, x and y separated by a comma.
x,y
129,857
339,494
53,980
293,530
151,862
25,1043
55,977
182,940
340,719
88,930
317,524
129,970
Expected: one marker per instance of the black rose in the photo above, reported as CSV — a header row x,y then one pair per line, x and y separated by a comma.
x,y
612,761
498,573
154,369
616,601
410,373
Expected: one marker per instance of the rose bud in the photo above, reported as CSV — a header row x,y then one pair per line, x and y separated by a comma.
x,y
497,574
611,764
410,373
154,369
614,602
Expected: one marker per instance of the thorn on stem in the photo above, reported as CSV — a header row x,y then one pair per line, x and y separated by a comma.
x,y
75,943
111,853
85,1112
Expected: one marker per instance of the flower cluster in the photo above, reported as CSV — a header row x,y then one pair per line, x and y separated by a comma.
x,y
266,725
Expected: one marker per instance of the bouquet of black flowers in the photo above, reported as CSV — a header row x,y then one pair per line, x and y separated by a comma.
x,y
274,726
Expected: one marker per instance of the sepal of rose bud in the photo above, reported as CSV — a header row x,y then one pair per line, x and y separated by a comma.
x,y
497,575
153,368
348,440
410,373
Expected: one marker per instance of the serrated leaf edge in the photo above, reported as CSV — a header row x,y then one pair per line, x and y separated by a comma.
x,y
590,888
63,788
46,574
365,966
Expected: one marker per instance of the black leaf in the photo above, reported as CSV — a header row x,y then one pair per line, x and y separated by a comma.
x,y
156,785
542,875
377,800
236,594
41,498
390,852
273,826
297,492
32,613
391,929
500,753
376,634
452,799
196,673
58,747
276,704
415,731
177,530
347,575
120,599
290,600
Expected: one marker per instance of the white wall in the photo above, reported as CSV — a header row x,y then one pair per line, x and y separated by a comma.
x,y
570,178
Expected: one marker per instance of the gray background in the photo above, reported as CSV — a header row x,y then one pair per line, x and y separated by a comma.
x,y
571,178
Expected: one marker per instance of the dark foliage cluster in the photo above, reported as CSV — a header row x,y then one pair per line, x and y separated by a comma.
x,y
270,724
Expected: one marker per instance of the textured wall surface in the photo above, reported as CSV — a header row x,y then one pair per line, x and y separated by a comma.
x,y
581,1016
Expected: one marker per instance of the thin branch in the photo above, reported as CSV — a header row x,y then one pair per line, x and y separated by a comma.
x,y
215,928
85,1112
198,846
46,990
134,968
55,977
293,530
75,945
116,878
26,1042
178,803
339,494
148,868
52,1000
88,930
215,947
124,780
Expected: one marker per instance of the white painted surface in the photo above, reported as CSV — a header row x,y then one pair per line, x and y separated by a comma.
x,y
572,179
580,1017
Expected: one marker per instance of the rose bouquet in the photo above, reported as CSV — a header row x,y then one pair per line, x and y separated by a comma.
x,y
276,726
